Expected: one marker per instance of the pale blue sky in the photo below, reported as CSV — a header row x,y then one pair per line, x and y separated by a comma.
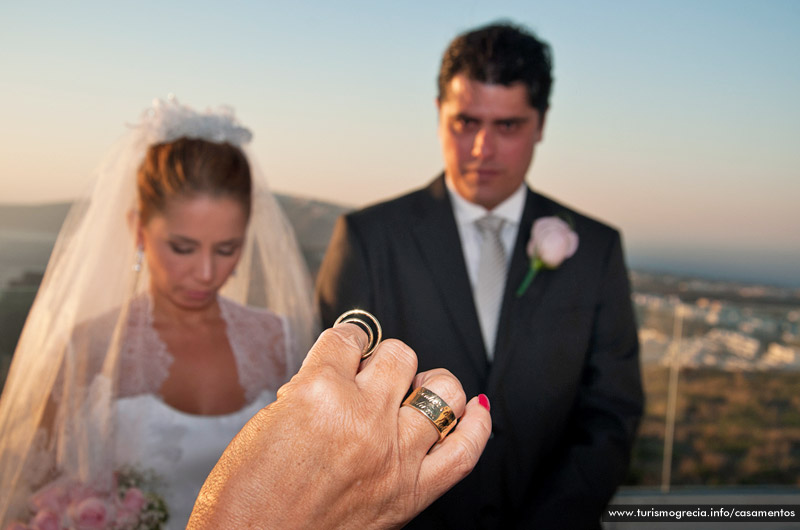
x,y
674,120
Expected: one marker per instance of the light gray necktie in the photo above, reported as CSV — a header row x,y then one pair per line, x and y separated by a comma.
x,y
491,278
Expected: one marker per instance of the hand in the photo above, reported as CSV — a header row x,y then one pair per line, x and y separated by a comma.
x,y
337,450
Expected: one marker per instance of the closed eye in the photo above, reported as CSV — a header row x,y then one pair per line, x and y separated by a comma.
x,y
228,249
181,248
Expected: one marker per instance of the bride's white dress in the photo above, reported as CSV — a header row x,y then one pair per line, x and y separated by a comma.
x,y
183,448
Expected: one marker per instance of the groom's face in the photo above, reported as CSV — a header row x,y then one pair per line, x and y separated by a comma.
x,y
488,134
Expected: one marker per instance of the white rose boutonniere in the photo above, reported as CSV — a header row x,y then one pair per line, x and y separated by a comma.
x,y
552,241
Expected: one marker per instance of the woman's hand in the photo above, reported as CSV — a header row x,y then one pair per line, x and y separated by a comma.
x,y
336,449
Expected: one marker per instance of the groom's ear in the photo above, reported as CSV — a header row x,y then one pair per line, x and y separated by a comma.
x,y
540,125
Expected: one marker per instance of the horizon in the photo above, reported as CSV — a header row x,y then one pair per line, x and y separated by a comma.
x,y
674,122
704,264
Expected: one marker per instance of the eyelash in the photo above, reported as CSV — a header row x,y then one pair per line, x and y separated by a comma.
x,y
177,249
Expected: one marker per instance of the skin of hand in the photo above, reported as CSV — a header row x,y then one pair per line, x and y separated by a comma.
x,y
336,449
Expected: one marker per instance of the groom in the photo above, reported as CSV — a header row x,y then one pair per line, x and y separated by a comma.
x,y
442,268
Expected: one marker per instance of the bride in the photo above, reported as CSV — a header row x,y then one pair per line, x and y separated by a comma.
x,y
175,304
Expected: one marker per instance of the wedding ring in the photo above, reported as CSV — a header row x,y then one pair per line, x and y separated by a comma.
x,y
368,323
434,408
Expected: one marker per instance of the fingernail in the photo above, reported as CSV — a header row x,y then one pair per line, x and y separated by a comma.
x,y
484,402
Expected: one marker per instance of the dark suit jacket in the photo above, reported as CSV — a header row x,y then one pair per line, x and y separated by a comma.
x,y
564,387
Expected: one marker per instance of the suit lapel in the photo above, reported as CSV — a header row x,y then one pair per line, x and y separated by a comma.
x,y
437,235
516,311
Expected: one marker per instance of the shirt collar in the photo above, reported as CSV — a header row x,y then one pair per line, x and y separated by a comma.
x,y
510,210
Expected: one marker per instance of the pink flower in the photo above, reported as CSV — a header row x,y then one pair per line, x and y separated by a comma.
x,y
552,241
46,520
68,504
130,508
79,492
91,514
126,519
54,497
134,500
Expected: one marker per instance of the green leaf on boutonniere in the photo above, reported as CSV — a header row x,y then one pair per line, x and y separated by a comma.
x,y
536,265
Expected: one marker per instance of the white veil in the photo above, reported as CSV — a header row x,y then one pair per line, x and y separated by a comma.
x,y
55,413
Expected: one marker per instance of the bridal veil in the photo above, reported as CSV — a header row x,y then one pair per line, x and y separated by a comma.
x,y
57,408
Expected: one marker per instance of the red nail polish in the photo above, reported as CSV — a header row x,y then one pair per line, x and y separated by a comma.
x,y
484,402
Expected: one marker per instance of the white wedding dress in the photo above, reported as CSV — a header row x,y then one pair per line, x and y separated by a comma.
x,y
182,448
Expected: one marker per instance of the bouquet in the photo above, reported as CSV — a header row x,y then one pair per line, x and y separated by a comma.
x,y
66,504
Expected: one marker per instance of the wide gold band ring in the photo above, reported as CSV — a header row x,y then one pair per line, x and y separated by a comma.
x,y
368,323
434,408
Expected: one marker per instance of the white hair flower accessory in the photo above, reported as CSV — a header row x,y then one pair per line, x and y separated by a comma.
x,y
168,120
552,241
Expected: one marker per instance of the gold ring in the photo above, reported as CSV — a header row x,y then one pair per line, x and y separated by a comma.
x,y
368,323
434,408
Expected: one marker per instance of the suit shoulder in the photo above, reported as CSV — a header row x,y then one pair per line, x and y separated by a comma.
x,y
387,212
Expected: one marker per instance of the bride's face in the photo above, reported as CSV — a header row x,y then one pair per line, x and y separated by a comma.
x,y
192,248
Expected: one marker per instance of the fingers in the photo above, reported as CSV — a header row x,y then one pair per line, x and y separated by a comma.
x,y
454,458
388,373
416,432
338,348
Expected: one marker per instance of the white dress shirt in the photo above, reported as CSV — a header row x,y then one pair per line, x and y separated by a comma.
x,y
466,213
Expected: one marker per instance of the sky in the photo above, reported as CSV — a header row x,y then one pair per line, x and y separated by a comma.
x,y
675,121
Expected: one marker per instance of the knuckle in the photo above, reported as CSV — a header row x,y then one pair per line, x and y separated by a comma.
x,y
443,383
317,388
401,352
463,457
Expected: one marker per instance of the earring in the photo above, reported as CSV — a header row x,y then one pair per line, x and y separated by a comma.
x,y
137,264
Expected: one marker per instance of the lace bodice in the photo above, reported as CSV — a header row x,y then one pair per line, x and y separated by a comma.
x,y
258,339
183,448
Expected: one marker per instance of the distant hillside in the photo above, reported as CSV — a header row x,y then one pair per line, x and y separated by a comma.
x,y
313,222
46,218
27,232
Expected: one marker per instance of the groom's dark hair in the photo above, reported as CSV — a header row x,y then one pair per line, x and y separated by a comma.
x,y
500,53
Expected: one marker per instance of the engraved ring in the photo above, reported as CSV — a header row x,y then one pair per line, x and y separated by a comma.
x,y
434,408
368,323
